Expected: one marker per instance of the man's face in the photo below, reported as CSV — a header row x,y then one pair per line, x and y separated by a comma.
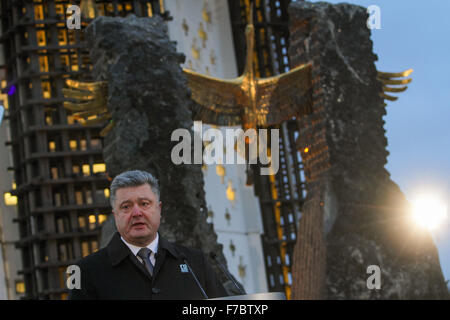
x,y
137,212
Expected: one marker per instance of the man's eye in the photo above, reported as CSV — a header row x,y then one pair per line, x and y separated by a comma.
x,y
125,207
146,204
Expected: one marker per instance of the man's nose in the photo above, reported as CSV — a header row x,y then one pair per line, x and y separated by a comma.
x,y
136,210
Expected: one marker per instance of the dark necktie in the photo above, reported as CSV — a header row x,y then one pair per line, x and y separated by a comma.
x,y
144,253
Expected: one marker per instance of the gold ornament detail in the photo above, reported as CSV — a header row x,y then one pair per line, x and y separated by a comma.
x,y
389,78
250,101
220,171
231,194
202,34
90,106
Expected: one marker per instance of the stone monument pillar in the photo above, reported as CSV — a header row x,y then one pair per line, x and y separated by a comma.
x,y
355,216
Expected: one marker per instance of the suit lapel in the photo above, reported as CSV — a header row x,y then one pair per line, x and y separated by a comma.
x,y
139,265
118,251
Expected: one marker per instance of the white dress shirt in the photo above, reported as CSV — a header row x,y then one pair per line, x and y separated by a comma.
x,y
152,246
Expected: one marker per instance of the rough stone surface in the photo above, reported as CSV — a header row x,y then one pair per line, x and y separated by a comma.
x,y
148,99
355,216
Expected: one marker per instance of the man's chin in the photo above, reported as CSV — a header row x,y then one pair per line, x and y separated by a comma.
x,y
140,233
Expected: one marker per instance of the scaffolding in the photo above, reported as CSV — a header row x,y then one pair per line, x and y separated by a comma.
x,y
62,186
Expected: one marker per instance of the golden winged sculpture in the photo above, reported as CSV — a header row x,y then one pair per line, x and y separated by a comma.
x,y
246,101
388,78
90,106
250,101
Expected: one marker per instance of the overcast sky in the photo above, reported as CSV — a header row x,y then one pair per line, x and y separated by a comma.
x,y
415,34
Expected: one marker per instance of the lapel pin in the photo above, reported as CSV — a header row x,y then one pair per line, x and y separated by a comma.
x,y
184,268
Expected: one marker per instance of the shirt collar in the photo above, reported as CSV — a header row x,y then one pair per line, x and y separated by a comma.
x,y
135,249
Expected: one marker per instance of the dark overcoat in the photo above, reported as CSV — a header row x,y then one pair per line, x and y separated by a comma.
x,y
114,272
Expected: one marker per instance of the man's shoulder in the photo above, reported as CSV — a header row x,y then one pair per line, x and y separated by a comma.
x,y
181,250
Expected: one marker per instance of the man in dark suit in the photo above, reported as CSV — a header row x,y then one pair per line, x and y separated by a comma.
x,y
138,263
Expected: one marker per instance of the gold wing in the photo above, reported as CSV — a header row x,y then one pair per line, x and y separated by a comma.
x,y
218,101
285,96
388,78
90,103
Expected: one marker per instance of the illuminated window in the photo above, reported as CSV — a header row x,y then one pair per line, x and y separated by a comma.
x,y
14,186
71,36
79,197
82,221
89,197
88,246
62,37
73,145
48,120
65,60
92,218
83,145
98,167
46,89
70,119
96,143
92,221
38,12
149,10
59,8
52,146
76,169
10,200
43,63
86,170
40,36
101,218
54,172
94,245
20,287
84,248
106,192
63,275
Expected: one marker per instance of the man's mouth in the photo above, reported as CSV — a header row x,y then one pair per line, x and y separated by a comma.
x,y
138,224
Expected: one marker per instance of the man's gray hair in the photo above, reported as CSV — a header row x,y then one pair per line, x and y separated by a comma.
x,y
134,178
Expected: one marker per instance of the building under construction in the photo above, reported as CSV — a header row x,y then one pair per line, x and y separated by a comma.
x,y
60,177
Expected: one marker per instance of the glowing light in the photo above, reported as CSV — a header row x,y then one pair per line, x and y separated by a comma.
x,y
10,200
306,150
429,212
92,218
86,170
98,167
101,218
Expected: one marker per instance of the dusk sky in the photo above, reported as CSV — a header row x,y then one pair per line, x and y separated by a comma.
x,y
415,34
